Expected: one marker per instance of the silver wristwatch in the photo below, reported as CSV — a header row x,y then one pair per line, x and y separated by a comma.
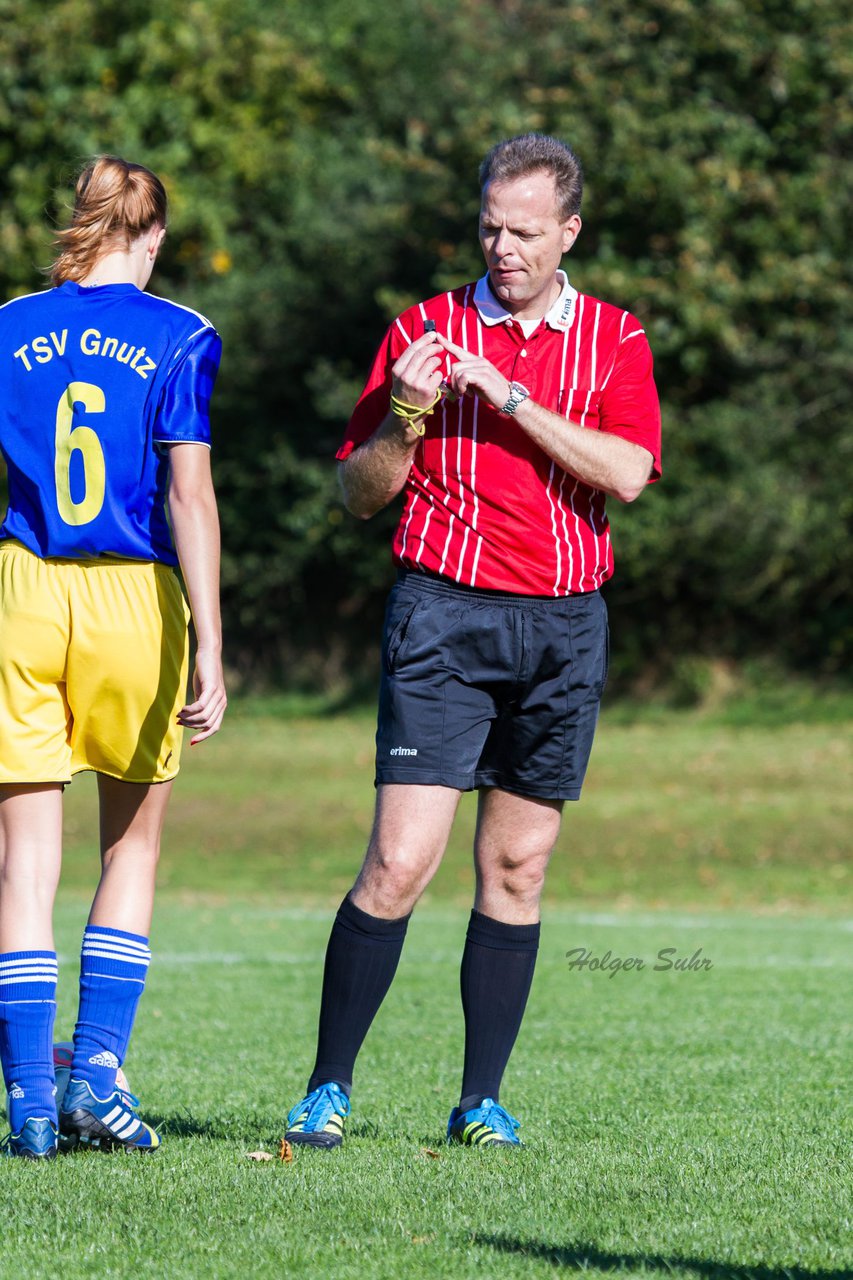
x,y
517,395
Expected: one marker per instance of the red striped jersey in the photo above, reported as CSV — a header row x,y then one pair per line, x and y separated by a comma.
x,y
484,505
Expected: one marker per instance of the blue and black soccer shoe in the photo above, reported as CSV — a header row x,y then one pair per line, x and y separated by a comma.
x,y
318,1120
488,1125
37,1140
103,1124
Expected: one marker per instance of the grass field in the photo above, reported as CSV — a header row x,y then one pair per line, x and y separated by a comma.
x,y
680,810
691,1123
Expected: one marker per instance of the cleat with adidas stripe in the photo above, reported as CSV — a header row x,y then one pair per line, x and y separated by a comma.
x,y
103,1124
37,1140
488,1125
318,1120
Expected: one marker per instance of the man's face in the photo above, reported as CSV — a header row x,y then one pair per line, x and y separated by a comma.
x,y
523,240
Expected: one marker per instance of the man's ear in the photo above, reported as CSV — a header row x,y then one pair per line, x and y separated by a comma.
x,y
571,231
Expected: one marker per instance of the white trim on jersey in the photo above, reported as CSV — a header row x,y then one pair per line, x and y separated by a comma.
x,y
205,444
38,293
475,444
561,500
558,553
558,556
406,526
423,531
615,351
205,323
447,541
559,315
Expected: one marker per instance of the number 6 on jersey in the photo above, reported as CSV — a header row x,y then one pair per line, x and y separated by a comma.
x,y
69,438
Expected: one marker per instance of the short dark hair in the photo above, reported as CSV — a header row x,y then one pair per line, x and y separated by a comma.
x,y
530,152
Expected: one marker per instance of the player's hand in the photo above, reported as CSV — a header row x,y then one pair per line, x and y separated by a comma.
x,y
417,374
204,716
470,374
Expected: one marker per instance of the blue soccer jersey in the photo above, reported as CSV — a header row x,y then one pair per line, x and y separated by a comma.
x,y
95,382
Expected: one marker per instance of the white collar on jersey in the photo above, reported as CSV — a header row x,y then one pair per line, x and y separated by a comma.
x,y
559,316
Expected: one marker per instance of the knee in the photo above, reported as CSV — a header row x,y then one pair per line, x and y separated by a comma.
x,y
519,876
393,878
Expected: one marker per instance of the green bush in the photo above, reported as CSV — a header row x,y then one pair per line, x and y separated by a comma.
x,y
321,162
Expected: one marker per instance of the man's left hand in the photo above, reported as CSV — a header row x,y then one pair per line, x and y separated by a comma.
x,y
472,375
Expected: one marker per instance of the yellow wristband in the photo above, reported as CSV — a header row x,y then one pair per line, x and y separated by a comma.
x,y
410,413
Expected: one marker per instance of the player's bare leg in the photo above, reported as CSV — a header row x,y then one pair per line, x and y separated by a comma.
x,y
411,828
113,967
30,858
131,816
515,836
514,841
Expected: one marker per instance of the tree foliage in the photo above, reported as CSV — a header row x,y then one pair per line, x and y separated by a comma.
x,y
321,161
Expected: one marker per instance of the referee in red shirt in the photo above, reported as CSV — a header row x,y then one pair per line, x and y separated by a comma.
x,y
505,412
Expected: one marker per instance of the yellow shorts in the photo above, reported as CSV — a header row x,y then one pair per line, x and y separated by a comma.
x,y
93,668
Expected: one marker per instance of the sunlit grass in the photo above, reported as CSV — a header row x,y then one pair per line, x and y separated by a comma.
x,y
679,809
682,1123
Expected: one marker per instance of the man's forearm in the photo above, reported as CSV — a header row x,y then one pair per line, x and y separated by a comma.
x,y
376,471
607,462
598,459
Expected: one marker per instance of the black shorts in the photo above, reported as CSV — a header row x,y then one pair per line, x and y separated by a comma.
x,y
481,689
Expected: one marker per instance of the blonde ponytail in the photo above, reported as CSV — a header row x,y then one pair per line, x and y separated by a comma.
x,y
115,202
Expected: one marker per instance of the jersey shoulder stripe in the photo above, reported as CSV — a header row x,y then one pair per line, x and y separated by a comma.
x,y
179,306
22,297
611,315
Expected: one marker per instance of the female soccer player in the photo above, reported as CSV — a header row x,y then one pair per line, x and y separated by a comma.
x,y
104,425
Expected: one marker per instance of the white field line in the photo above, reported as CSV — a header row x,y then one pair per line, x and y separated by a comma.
x,y
418,954
178,959
555,915
561,928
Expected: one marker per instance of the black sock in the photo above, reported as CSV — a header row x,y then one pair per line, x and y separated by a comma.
x,y
361,960
497,970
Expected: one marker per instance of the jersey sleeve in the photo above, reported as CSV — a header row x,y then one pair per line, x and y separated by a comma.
x,y
374,401
183,414
629,404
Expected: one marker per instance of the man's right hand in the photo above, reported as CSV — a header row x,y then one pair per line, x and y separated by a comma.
x,y
377,470
417,374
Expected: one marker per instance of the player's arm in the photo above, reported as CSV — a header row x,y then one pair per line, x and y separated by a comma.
x,y
601,460
376,471
195,528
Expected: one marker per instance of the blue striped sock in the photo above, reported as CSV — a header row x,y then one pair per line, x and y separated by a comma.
x,y
27,1012
113,965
